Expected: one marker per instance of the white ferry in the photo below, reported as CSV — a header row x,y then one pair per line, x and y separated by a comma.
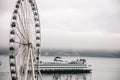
x,y
58,65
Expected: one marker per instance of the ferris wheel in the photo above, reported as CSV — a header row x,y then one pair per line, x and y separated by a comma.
x,y
25,41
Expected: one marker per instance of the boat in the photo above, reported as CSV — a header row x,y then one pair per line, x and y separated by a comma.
x,y
58,65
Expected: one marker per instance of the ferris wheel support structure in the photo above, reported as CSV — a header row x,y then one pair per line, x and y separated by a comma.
x,y
25,41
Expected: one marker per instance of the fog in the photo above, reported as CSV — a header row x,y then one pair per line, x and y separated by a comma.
x,y
71,24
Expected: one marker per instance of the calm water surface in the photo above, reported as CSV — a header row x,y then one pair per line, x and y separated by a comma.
x,y
103,69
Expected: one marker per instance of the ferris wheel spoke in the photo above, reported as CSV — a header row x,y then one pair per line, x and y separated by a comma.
x,y
34,53
26,13
18,36
21,33
26,10
21,54
18,51
14,53
24,19
20,43
26,70
22,26
34,56
21,38
36,50
32,65
25,55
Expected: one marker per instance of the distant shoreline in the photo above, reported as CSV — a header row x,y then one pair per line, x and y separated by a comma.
x,y
68,56
84,53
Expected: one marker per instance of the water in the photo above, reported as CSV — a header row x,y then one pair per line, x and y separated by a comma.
x,y
103,69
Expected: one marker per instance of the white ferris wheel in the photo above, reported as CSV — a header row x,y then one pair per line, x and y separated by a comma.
x,y
25,41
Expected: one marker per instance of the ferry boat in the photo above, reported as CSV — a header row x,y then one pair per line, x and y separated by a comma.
x,y
58,65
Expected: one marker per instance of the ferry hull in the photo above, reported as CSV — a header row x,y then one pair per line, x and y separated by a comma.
x,y
66,71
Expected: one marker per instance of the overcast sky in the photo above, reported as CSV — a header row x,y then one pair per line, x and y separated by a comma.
x,y
71,24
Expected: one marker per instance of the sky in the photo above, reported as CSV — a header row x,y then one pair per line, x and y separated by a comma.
x,y
71,24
